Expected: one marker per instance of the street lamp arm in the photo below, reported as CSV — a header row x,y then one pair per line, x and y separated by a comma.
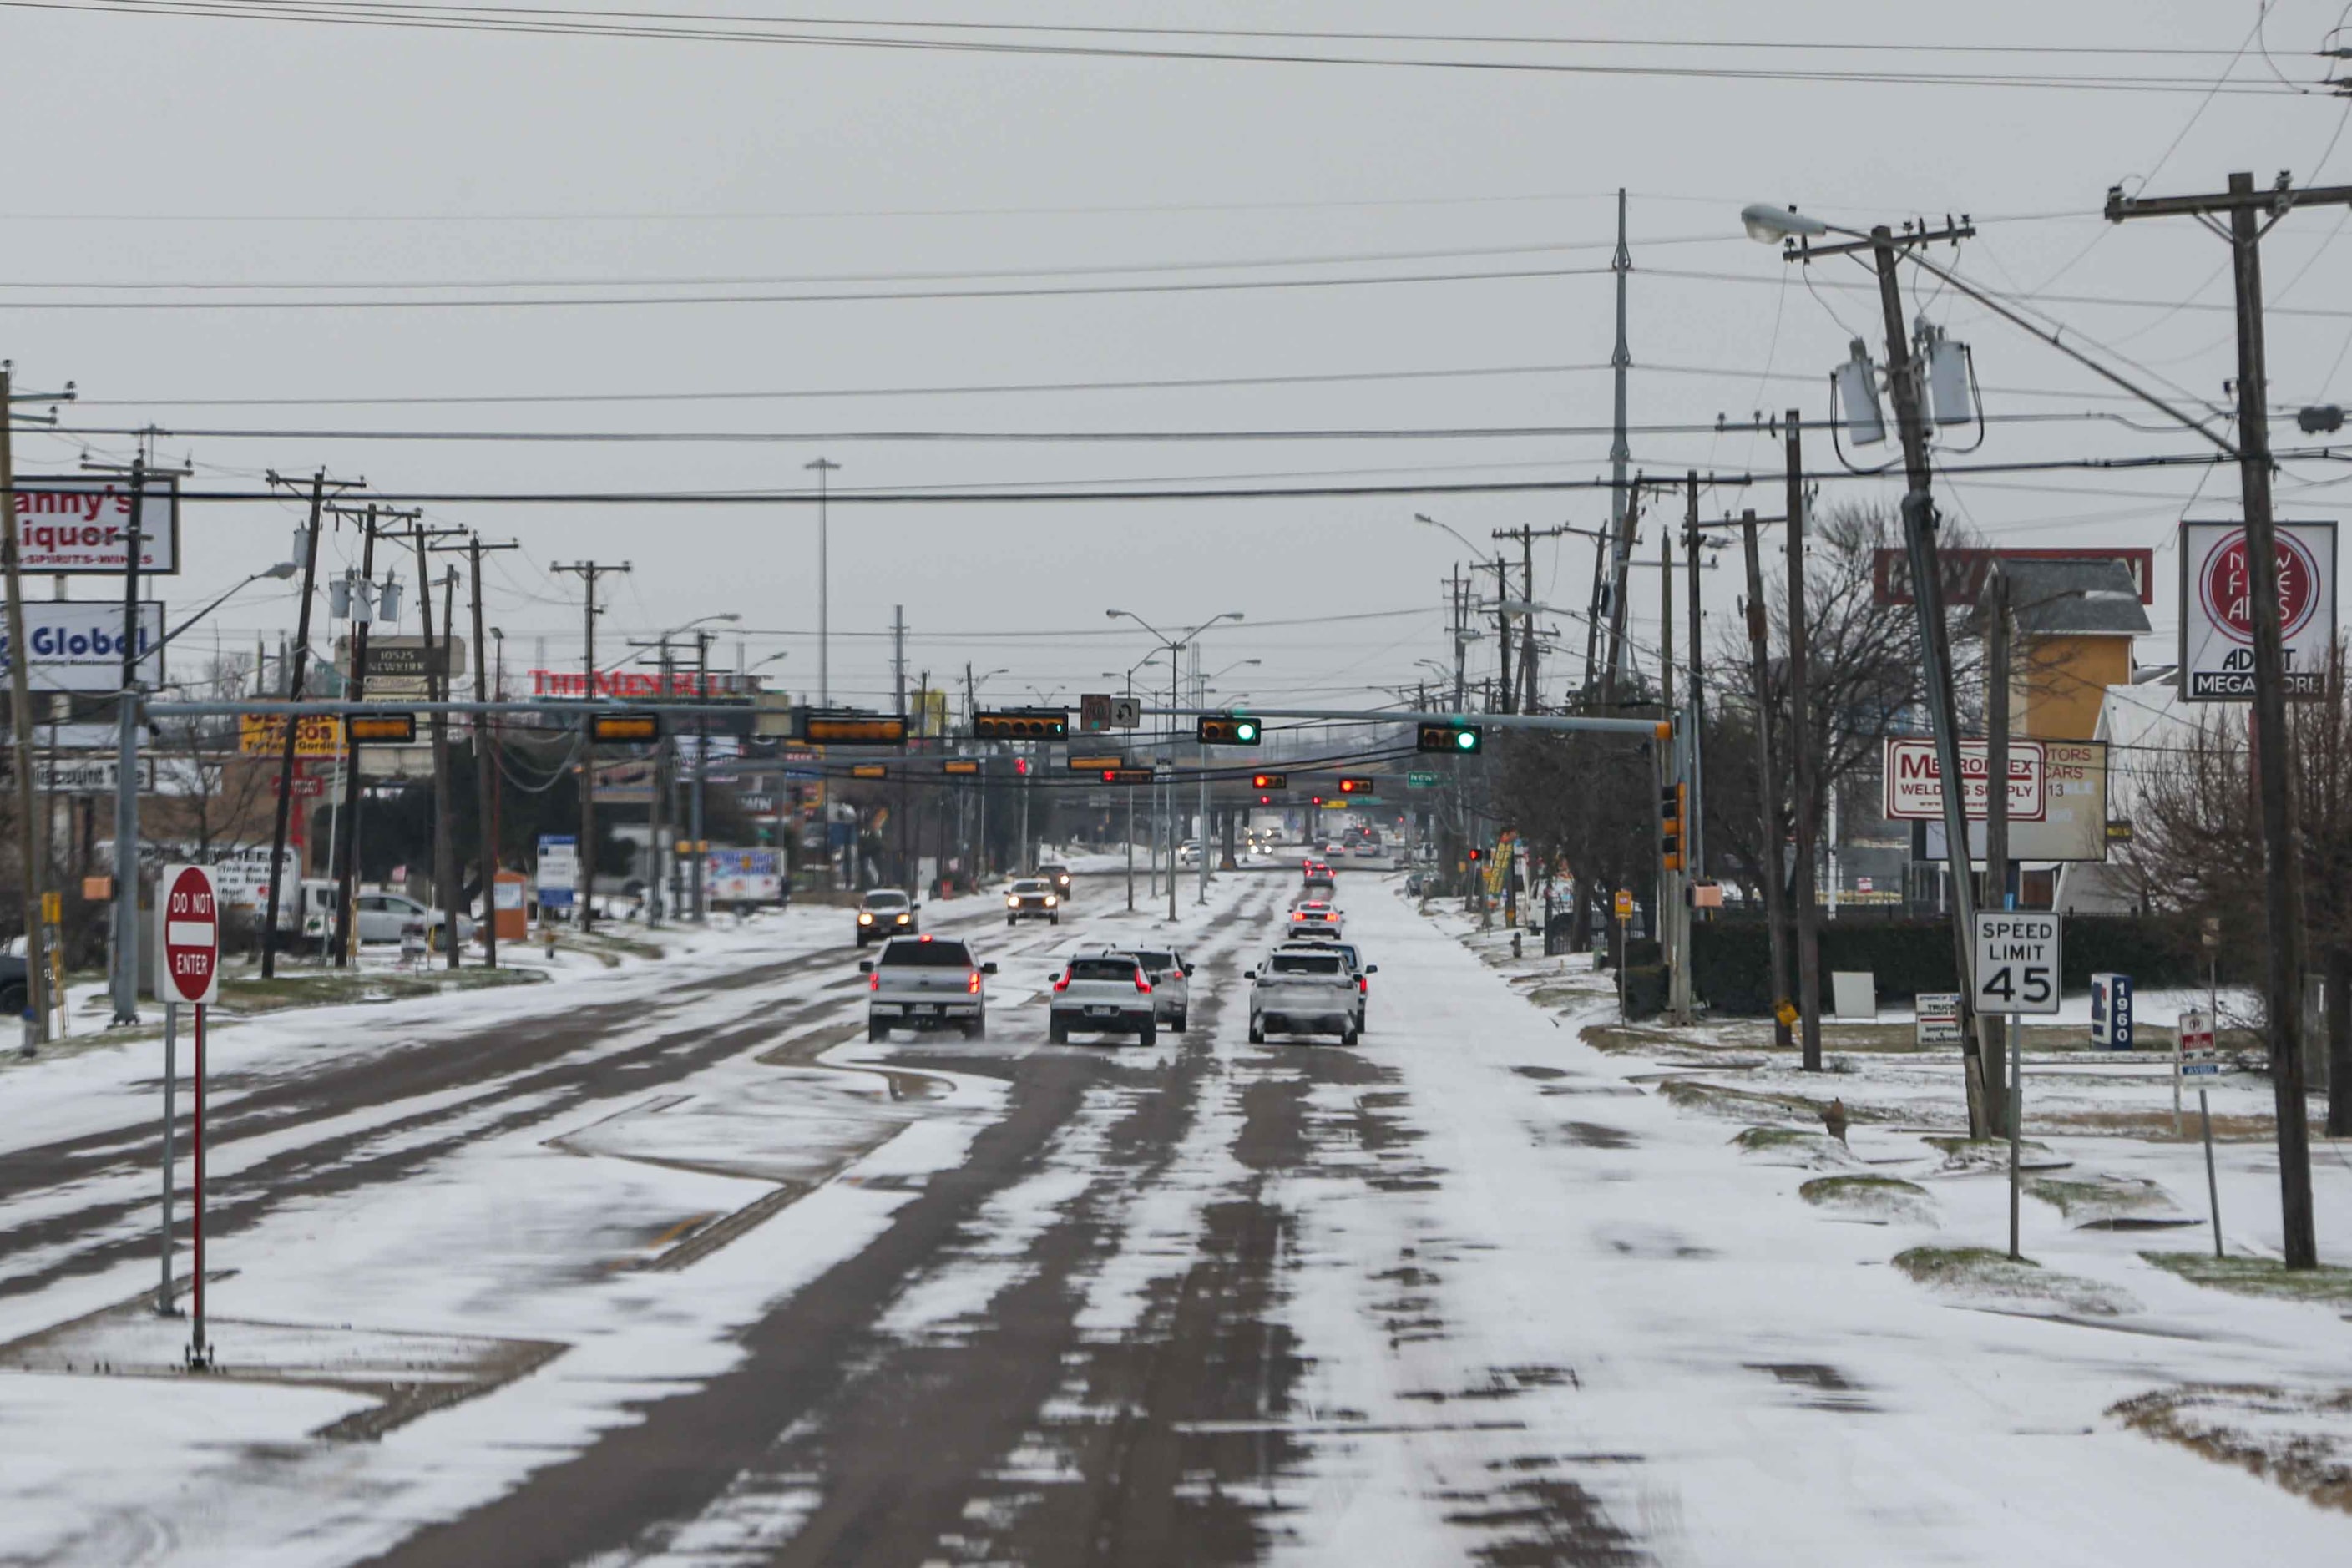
x,y
280,572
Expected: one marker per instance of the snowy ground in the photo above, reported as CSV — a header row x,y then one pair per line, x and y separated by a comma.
x,y
1476,1291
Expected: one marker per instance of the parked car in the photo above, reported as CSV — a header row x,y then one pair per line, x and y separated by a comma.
x,y
1103,991
925,982
1314,917
385,917
1054,872
1171,985
884,912
1032,899
1302,991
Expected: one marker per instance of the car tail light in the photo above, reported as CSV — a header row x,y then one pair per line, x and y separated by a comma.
x,y
971,983
873,981
1141,984
1363,986
1062,981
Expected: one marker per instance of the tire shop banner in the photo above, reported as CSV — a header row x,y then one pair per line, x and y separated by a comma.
x,y
81,524
78,644
2217,617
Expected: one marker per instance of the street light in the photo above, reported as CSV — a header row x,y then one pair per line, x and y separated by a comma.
x,y
1768,225
1173,645
277,573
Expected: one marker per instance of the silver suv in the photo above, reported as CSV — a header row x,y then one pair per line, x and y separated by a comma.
x,y
1106,993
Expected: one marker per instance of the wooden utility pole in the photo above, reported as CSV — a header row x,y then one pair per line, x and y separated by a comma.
x,y
1992,1027
2252,213
1767,782
588,572
365,595
486,773
436,690
1800,745
20,732
293,725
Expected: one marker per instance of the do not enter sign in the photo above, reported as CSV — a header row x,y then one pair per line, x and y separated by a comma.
x,y
187,916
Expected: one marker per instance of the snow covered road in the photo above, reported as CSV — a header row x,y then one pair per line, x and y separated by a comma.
x,y
1471,1292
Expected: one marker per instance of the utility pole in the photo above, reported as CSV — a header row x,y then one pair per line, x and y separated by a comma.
x,y
1992,1026
1622,507
285,757
346,886
824,468
697,874
1614,674
123,966
1504,689
588,572
1768,780
436,688
1800,746
486,774
1461,642
20,724
663,856
2252,215
1528,621
1694,826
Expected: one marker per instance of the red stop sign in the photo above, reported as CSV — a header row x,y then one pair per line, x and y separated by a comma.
x,y
190,915
2225,584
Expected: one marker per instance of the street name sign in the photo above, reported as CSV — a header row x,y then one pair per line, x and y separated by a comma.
x,y
2016,961
187,914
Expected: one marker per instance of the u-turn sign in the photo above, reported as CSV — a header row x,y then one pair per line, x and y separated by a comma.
x,y
2016,961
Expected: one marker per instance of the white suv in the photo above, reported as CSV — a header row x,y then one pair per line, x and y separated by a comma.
x,y
1103,991
1171,984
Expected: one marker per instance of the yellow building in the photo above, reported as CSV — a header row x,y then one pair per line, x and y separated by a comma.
x,y
2074,624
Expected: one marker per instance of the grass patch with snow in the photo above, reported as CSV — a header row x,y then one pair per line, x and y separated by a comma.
x,y
2301,1439
1986,1277
1872,1197
2262,1276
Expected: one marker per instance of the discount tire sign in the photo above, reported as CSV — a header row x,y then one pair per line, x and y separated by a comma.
x,y
2217,609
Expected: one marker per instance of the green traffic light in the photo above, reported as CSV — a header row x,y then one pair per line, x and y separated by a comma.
x,y
1465,740
1246,730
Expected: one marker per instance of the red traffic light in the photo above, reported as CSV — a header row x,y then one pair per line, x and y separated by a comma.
x,y
1478,854
1020,766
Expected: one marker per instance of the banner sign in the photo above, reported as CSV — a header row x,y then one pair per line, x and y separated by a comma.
x,y
2217,616
78,644
1915,780
315,735
1964,571
559,869
81,524
743,876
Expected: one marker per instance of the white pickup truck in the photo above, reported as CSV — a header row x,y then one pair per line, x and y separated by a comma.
x,y
1303,990
925,982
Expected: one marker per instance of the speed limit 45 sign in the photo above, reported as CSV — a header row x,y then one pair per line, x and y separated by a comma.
x,y
2017,961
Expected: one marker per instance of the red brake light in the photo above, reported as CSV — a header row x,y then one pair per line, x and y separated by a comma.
x,y
971,983
1363,986
920,938
1062,981
873,981
1141,984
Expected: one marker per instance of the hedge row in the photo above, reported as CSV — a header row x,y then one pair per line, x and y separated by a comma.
x,y
1730,959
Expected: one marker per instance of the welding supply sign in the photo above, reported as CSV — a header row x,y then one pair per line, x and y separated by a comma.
x,y
2016,961
1915,780
2217,609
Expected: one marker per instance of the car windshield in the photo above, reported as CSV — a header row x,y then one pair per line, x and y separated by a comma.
x,y
1102,969
886,900
1305,963
1029,885
1314,909
905,954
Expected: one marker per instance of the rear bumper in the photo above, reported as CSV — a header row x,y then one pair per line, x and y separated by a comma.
x,y
1128,1020
925,1014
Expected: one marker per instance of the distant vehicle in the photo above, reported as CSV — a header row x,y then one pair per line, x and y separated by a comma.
x,y
886,912
1335,848
1106,993
925,982
15,986
1352,958
1032,899
1171,985
1367,850
1056,873
1303,991
1313,917
1316,869
1189,852
383,917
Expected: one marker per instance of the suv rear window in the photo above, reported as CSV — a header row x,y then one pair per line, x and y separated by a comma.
x,y
1156,961
1305,963
927,955
1102,969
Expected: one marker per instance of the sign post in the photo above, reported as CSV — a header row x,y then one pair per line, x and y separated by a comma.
x,y
2194,1056
2017,964
187,917
1624,908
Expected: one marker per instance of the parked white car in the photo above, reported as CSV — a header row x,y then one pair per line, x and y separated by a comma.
x,y
1171,985
1103,991
385,917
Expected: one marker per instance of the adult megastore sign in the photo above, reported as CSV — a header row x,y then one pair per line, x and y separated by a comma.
x,y
2217,609
78,644
83,524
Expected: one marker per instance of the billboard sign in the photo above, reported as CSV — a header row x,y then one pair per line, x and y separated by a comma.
x,y
84,775
81,524
2217,617
316,735
78,644
1964,571
1914,779
743,876
2074,822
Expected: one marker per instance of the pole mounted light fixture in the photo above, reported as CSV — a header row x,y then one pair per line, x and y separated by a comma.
x,y
1770,225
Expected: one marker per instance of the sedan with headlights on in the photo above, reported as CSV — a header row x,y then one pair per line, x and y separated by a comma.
x,y
1032,899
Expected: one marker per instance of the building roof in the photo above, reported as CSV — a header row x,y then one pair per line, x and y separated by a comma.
x,y
2061,597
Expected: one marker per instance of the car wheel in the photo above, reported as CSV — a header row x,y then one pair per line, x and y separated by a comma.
x,y
1179,1020
875,1034
976,1030
1148,1035
12,1002
1348,1034
1011,921
1053,919
1256,1036
1058,1032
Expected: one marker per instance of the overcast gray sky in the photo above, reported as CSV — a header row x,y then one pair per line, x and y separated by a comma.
x,y
150,148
